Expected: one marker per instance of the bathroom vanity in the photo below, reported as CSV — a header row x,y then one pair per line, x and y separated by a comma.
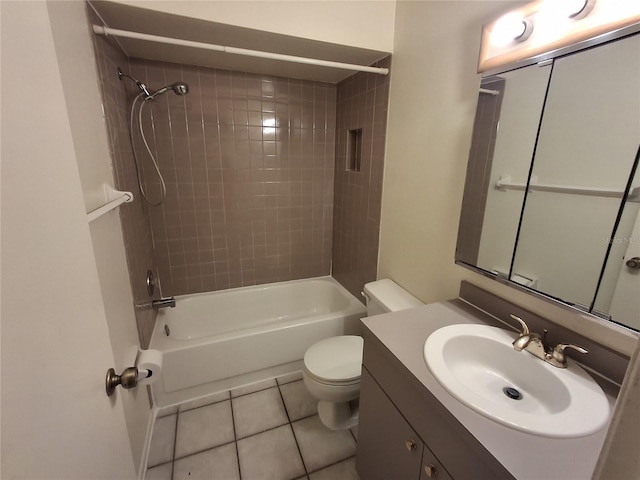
x,y
411,428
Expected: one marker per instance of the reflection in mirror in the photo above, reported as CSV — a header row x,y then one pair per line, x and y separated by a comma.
x,y
620,287
587,143
507,118
552,152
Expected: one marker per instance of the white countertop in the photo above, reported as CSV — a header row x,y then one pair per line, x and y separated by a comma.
x,y
525,456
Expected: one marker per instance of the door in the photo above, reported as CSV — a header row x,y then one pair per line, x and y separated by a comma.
x,y
57,421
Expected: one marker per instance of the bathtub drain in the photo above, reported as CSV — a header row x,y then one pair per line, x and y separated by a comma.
x,y
167,332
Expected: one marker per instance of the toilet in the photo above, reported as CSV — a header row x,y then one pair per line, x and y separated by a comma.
x,y
332,366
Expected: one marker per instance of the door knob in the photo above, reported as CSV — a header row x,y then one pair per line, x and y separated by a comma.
x,y
128,379
431,471
633,263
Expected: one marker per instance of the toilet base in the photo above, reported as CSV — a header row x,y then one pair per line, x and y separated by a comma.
x,y
339,415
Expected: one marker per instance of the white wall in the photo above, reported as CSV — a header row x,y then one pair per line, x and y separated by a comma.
x,y
363,23
57,421
432,104
82,96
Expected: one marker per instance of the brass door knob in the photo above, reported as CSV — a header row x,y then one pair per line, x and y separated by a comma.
x,y
431,471
128,379
410,444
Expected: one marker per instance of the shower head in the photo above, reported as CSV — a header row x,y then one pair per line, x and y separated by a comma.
x,y
179,88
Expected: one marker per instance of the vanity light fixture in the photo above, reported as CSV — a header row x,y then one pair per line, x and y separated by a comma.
x,y
577,9
511,28
559,25
580,8
556,10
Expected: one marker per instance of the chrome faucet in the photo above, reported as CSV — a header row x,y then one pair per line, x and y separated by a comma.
x,y
534,344
168,302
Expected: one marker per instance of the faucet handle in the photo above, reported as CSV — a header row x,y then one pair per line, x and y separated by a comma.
x,y
525,327
559,355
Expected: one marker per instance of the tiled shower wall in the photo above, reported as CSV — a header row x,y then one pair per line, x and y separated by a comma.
x,y
362,103
249,165
134,216
248,162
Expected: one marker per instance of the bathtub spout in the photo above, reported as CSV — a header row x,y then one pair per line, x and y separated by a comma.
x,y
168,302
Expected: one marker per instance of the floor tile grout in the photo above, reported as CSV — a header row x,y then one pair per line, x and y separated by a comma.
x,y
236,439
235,436
175,443
197,452
295,438
331,464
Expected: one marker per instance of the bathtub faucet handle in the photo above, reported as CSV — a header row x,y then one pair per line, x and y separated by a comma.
x,y
168,302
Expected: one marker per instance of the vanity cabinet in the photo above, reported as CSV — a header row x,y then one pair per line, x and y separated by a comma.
x,y
388,448
405,433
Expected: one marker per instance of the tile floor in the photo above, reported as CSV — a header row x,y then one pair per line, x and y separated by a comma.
x,y
266,431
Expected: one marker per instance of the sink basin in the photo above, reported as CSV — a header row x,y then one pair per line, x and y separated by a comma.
x,y
478,365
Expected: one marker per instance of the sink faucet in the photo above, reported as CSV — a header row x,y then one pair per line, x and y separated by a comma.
x,y
168,302
534,344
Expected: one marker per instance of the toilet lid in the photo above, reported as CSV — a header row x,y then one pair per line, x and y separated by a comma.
x,y
337,359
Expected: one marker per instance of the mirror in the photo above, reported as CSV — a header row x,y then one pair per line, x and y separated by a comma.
x,y
552,193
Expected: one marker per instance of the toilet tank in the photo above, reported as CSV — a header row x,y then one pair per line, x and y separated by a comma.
x,y
385,295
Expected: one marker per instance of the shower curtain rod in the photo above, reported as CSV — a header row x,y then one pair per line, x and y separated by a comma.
x,y
106,31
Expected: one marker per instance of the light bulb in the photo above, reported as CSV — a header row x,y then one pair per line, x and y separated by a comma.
x,y
509,28
567,8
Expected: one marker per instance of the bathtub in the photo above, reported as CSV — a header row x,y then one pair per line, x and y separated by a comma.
x,y
222,340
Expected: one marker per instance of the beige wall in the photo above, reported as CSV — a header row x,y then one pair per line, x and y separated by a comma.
x,y
364,24
432,104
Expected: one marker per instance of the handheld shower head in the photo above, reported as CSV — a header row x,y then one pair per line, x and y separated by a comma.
x,y
179,88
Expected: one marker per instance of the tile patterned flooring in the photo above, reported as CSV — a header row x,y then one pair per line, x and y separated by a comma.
x,y
266,431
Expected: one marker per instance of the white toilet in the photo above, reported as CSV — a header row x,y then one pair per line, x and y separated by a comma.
x,y
332,366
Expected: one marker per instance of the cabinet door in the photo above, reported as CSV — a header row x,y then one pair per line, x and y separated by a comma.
x,y
388,448
431,468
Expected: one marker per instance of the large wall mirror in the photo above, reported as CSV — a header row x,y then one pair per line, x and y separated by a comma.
x,y
552,195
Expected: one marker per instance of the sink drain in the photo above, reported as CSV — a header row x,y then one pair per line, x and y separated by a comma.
x,y
512,393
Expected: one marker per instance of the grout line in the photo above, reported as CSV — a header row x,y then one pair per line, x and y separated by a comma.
x,y
265,430
205,450
250,393
288,382
175,443
202,406
332,464
295,438
235,435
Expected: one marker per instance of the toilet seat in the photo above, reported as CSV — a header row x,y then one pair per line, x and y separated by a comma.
x,y
335,360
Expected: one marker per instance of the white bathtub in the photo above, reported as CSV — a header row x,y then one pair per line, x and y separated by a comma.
x,y
222,340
